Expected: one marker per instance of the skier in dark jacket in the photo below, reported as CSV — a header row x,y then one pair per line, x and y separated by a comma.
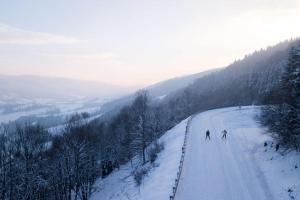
x,y
207,135
224,134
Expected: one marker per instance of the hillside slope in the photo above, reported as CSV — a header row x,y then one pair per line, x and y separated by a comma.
x,y
164,88
240,167
120,185
157,92
245,82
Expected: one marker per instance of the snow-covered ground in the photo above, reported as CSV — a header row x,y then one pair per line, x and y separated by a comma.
x,y
9,117
37,109
240,167
157,185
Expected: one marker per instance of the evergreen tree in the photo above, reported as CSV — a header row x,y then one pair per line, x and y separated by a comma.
x,y
284,118
142,118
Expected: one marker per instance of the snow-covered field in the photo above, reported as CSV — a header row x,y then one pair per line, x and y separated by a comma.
x,y
240,167
43,108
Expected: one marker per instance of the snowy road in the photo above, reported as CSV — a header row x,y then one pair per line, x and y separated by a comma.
x,y
222,169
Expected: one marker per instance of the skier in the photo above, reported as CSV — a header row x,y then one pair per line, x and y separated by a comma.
x,y
207,135
224,134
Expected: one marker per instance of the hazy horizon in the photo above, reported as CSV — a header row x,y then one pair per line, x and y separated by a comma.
x,y
71,79
137,43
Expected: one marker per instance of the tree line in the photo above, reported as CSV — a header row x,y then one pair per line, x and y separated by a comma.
x,y
282,115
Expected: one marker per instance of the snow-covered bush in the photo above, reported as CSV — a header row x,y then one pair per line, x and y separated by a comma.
x,y
155,150
139,174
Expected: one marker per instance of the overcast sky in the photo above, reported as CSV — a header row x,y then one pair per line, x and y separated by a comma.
x,y
137,42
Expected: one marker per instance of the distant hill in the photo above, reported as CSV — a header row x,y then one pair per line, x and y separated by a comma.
x,y
164,88
38,87
47,100
157,92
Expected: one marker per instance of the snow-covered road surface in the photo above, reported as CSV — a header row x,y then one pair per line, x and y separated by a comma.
x,y
222,169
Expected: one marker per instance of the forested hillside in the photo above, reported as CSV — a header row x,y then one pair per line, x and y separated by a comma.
x,y
252,78
245,82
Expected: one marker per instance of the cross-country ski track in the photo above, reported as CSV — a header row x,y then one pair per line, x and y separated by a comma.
x,y
220,169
